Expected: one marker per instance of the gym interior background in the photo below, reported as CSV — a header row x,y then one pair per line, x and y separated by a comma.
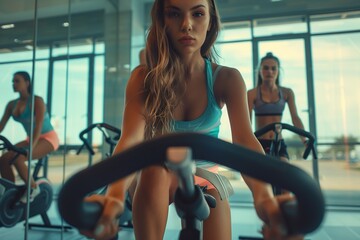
x,y
81,53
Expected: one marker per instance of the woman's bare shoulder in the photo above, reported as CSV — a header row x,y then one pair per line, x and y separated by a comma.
x,y
231,74
288,92
135,84
229,82
10,105
138,76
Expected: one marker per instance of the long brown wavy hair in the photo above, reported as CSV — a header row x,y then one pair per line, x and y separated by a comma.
x,y
164,82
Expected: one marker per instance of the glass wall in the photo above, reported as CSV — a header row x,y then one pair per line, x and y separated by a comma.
x,y
336,79
319,62
62,46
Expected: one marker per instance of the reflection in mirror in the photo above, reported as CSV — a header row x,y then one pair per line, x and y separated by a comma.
x,y
16,98
69,71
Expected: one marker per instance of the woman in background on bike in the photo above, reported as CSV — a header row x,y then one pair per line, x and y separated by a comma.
x,y
45,139
268,100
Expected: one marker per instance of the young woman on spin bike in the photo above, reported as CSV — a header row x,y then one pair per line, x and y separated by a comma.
x,y
181,88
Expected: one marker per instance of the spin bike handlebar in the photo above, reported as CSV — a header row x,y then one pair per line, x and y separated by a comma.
x,y
6,144
303,217
100,126
301,132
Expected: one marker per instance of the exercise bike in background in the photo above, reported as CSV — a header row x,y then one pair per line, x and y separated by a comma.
x,y
275,147
178,151
11,210
111,136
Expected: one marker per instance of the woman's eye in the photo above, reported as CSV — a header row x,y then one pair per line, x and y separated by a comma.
x,y
172,14
198,14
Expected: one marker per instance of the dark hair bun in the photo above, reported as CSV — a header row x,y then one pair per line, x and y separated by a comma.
x,y
269,54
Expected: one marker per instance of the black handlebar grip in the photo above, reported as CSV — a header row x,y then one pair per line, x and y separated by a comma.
x,y
92,212
308,148
290,214
89,148
267,128
79,150
8,145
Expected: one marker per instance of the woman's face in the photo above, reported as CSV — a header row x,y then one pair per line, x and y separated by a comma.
x,y
187,23
269,70
19,83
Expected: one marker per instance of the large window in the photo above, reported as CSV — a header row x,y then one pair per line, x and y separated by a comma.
x,y
336,79
241,60
335,22
321,67
279,26
336,74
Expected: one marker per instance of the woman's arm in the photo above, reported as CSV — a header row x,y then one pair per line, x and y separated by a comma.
x,y
232,92
132,131
39,111
6,116
296,120
251,95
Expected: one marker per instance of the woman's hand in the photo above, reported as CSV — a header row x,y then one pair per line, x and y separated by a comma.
x,y
274,227
108,224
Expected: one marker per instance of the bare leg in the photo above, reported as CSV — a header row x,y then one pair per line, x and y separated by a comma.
x,y
7,159
151,202
5,167
42,148
218,225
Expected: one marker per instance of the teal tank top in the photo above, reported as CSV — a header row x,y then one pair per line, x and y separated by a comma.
x,y
209,121
24,119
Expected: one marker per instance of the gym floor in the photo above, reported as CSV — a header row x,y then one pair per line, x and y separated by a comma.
x,y
339,224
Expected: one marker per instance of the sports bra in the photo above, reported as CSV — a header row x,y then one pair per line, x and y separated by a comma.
x,y
209,121
24,119
262,108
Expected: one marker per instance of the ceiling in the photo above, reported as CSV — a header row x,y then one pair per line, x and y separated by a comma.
x,y
260,8
88,14
20,10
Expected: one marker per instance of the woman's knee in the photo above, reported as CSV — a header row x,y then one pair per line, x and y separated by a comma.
x,y
155,181
19,161
6,159
222,206
151,177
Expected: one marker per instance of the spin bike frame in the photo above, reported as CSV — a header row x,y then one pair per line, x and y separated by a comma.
x,y
104,128
11,211
277,127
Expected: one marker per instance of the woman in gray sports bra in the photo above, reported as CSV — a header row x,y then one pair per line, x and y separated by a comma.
x,y
268,100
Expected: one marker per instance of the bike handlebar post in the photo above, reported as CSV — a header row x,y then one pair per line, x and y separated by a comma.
x,y
179,159
189,200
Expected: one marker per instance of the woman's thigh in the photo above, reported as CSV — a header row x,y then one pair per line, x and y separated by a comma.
x,y
218,225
